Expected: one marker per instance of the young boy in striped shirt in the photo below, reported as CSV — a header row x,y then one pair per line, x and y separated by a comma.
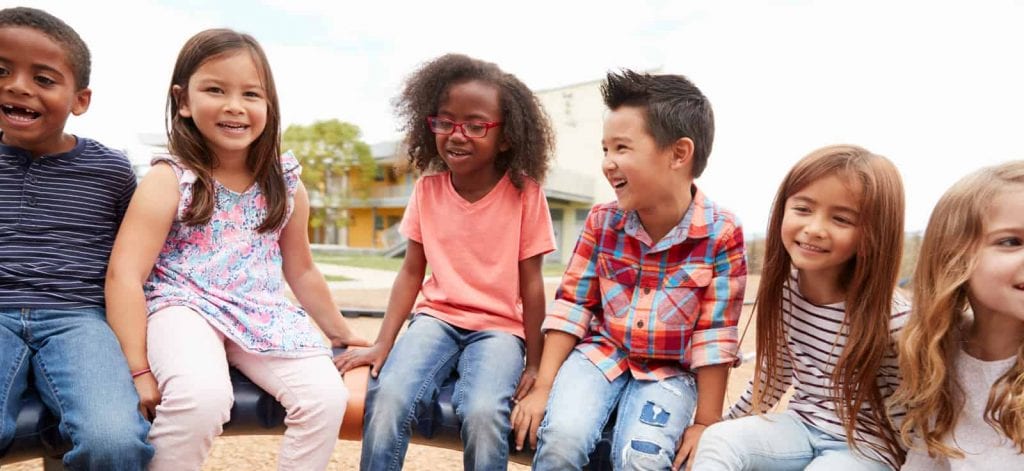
x,y
645,319
61,201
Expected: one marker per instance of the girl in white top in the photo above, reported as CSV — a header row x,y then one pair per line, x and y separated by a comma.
x,y
826,315
970,416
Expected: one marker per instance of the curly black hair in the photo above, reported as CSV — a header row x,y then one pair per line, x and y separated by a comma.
x,y
526,126
675,108
57,30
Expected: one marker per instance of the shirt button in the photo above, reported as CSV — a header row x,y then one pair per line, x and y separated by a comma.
x,y
647,291
640,324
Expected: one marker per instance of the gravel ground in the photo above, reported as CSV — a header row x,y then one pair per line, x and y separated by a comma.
x,y
255,453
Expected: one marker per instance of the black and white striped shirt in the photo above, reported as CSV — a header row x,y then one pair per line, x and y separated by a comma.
x,y
58,218
815,338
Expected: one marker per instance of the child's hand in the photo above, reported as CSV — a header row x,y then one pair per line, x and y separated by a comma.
x,y
525,383
354,358
688,447
527,414
350,339
149,395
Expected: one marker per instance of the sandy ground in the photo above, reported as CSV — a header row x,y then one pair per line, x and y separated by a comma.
x,y
256,453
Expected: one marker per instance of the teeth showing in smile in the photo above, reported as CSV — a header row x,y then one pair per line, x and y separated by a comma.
x,y
618,182
18,113
233,127
812,248
457,153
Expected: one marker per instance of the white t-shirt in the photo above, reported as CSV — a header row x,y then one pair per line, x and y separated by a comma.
x,y
984,447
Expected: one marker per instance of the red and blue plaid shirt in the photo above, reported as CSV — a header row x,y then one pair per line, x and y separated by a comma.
x,y
655,310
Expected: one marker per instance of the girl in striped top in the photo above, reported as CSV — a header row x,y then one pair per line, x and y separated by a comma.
x,y
826,316
962,353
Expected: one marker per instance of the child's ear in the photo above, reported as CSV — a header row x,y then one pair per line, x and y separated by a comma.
x,y
182,98
83,98
682,152
504,145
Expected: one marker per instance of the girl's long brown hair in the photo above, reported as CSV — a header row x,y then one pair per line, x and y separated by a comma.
x,y
186,142
929,343
868,280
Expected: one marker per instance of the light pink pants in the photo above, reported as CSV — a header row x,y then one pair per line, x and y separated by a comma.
x,y
190,361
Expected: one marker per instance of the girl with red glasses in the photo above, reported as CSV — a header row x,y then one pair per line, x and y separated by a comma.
x,y
479,218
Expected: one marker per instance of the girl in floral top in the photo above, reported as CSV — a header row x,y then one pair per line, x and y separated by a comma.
x,y
209,239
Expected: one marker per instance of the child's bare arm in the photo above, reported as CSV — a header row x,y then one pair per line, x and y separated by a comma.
x,y
403,294
531,289
139,240
529,412
305,279
711,383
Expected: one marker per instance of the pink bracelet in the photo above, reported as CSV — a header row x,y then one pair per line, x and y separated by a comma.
x,y
136,374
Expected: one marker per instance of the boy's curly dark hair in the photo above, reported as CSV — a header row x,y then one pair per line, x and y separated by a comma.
x,y
675,108
57,30
526,127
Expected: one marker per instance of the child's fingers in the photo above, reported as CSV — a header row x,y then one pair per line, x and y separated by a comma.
x,y
682,454
534,426
521,430
520,392
359,342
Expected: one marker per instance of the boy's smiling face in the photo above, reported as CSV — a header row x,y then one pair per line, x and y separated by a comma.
x,y
638,171
37,92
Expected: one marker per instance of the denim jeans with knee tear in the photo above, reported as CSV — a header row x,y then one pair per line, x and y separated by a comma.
x,y
651,416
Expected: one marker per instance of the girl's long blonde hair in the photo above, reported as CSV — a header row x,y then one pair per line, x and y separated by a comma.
x,y
930,341
868,280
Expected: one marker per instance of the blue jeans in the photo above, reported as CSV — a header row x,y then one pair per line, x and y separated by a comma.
x,y
776,441
488,364
651,417
82,376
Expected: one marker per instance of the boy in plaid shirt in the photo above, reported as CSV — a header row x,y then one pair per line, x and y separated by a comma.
x,y
645,319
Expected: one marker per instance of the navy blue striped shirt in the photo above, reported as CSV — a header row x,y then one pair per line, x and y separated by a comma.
x,y
58,218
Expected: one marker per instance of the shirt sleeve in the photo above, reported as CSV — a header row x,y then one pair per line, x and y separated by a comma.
x,y
715,336
536,233
410,226
578,298
127,190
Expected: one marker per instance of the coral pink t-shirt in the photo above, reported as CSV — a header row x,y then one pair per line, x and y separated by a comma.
x,y
474,249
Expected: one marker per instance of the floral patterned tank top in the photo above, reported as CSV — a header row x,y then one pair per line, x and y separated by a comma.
x,y
230,273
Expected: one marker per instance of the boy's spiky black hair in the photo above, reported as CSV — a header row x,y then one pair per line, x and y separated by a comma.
x,y
674,108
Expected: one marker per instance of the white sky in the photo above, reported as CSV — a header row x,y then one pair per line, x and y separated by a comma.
x,y
938,87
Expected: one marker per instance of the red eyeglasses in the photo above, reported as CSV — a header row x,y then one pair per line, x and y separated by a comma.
x,y
471,129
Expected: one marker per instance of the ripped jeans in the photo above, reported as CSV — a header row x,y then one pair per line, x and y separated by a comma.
x,y
651,416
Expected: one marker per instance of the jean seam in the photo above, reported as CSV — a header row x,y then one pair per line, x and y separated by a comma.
x,y
58,399
9,383
406,428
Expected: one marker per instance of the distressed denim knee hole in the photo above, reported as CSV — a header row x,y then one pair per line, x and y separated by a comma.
x,y
654,415
645,455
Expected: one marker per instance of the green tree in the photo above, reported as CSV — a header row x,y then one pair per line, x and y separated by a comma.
x,y
327,150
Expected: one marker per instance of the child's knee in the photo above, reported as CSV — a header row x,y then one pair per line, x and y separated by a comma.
x,y
715,445
324,402
643,453
200,404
